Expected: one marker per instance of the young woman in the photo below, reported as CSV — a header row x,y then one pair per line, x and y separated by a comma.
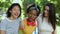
x,y
11,23
33,12
47,21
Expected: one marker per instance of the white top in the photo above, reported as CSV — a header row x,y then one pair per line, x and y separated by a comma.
x,y
43,26
10,26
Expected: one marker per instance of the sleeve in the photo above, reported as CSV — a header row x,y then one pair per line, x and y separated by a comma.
x,y
2,25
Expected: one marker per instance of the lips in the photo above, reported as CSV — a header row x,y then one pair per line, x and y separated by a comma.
x,y
16,14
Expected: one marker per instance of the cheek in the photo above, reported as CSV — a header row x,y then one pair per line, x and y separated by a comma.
x,y
29,15
13,12
46,13
34,17
18,12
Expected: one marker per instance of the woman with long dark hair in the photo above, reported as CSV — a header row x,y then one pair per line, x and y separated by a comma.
x,y
47,21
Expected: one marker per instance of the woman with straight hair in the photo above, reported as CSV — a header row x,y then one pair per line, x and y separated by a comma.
x,y
47,21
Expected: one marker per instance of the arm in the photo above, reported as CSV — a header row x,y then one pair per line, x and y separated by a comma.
x,y
22,25
2,27
2,32
54,32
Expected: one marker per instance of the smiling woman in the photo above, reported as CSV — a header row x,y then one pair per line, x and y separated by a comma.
x,y
30,22
10,24
47,21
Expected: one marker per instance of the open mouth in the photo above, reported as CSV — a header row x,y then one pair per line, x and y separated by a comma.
x,y
16,14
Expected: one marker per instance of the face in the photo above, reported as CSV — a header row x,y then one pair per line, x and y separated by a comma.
x,y
15,12
32,15
46,11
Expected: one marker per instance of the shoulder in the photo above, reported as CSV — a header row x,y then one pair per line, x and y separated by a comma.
x,y
4,20
24,20
39,17
18,19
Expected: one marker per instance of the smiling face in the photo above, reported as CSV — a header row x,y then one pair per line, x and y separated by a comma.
x,y
46,11
32,15
15,12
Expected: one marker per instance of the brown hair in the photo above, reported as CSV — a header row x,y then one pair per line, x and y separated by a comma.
x,y
52,17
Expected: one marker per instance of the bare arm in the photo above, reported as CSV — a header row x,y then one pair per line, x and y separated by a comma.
x,y
54,32
22,25
2,27
2,32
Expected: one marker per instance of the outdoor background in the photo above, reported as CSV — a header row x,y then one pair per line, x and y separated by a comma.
x,y
4,5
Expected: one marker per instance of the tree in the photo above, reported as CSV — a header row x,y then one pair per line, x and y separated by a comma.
x,y
4,4
41,3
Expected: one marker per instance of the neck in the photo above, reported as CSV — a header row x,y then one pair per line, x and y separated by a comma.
x,y
47,17
31,20
11,18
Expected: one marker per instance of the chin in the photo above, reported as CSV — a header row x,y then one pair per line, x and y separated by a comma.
x,y
15,17
46,16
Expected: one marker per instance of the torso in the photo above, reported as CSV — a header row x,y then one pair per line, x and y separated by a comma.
x,y
44,27
28,29
12,26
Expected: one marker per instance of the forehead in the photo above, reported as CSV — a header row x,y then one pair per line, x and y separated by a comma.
x,y
33,11
46,6
15,7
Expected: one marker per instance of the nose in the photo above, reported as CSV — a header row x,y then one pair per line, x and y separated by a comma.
x,y
17,11
46,11
31,16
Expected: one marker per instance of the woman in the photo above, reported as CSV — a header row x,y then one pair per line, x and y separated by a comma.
x,y
10,24
33,12
47,21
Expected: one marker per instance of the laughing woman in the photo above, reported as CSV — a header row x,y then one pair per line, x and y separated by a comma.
x,y
30,23
11,23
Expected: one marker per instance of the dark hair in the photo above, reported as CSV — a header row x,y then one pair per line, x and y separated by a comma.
x,y
52,17
34,7
11,7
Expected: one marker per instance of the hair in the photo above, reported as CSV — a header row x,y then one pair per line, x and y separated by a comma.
x,y
11,7
33,7
52,17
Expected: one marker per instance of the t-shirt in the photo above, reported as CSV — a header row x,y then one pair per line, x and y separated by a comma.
x,y
10,26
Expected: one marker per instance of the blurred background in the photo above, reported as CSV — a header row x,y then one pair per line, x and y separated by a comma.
x,y
4,5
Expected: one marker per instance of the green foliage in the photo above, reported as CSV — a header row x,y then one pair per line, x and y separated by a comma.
x,y
5,3
41,3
